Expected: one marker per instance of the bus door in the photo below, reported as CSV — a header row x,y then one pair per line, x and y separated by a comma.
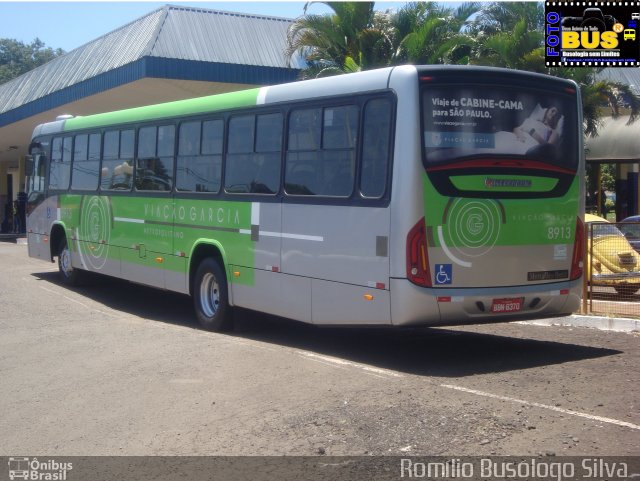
x,y
143,241
147,246
39,215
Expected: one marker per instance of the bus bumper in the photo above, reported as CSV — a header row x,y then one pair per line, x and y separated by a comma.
x,y
412,305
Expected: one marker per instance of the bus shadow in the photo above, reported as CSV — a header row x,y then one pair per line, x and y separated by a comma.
x,y
439,352
132,299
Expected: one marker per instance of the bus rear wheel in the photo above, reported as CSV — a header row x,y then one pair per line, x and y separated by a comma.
x,y
210,297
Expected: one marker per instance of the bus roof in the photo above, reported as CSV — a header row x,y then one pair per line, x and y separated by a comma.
x,y
210,103
339,85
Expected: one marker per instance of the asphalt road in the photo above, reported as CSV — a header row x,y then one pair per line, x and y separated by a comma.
x,y
120,369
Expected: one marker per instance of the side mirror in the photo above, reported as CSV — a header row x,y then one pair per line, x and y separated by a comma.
x,y
28,166
34,145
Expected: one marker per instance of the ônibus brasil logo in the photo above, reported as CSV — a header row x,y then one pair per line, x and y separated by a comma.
x,y
35,470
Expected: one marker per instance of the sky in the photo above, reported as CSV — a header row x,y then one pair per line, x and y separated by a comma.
x,y
68,25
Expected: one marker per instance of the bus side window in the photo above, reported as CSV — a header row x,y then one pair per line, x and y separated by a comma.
x,y
269,153
327,169
253,159
375,148
154,165
85,168
304,129
339,140
210,162
117,160
238,164
199,164
166,159
60,171
301,165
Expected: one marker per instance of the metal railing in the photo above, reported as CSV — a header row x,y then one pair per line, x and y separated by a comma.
x,y
612,269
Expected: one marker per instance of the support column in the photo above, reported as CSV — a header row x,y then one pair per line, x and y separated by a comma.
x,y
599,194
21,179
3,189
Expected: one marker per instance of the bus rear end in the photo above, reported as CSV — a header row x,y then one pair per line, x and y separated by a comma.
x,y
501,238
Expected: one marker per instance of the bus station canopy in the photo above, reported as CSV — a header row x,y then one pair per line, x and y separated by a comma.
x,y
616,142
172,53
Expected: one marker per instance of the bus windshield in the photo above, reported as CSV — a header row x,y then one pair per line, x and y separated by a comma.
x,y
465,121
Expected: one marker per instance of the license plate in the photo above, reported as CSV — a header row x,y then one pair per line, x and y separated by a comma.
x,y
627,260
507,305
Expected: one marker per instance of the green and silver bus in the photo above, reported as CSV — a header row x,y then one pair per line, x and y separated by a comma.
x,y
429,195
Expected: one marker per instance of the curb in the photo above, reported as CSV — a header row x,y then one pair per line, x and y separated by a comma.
x,y
617,324
14,239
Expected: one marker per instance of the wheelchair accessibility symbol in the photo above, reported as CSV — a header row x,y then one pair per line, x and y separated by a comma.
x,y
443,274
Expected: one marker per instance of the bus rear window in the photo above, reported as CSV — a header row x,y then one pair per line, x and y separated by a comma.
x,y
476,121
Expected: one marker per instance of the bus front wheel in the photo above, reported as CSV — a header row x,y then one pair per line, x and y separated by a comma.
x,y
68,274
210,297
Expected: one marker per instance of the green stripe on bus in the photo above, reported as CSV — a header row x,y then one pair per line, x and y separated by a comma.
x,y
472,222
109,226
168,110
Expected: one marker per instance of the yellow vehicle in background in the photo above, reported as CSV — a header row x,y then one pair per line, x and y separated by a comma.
x,y
611,260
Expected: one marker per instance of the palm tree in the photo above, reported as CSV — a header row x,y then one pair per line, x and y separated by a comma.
x,y
499,17
503,34
509,34
518,48
344,41
430,33
599,97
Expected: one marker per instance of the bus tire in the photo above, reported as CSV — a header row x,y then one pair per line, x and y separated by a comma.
x,y
69,275
211,297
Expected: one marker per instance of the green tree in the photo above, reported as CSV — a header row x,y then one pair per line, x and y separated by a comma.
x,y
502,34
431,33
355,37
500,17
17,57
348,40
510,34
599,97
607,177
519,48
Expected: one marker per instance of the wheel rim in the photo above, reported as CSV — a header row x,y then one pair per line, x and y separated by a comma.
x,y
65,262
209,295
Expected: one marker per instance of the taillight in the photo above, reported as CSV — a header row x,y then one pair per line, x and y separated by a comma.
x,y
578,251
417,257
